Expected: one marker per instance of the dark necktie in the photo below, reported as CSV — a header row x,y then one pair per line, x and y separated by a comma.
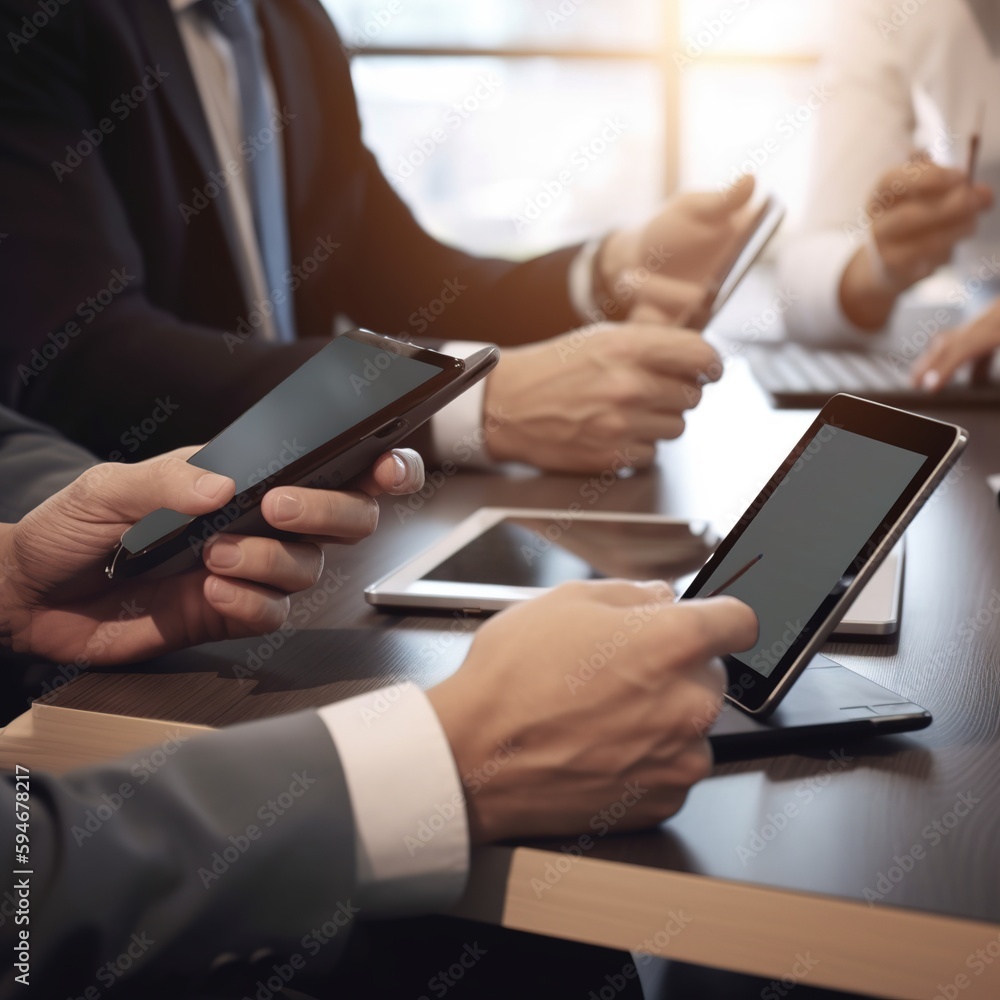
x,y
237,20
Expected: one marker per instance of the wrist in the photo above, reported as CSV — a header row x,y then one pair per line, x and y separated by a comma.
x,y
8,569
867,291
615,254
495,422
465,730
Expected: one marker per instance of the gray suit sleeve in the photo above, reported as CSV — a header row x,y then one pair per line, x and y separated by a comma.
x,y
159,863
35,462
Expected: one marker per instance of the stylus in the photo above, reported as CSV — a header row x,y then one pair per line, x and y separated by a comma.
x,y
753,562
974,141
981,367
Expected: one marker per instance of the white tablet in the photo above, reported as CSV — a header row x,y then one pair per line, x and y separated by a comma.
x,y
502,555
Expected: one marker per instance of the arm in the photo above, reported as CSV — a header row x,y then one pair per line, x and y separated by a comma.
x,y
241,839
37,463
251,837
864,128
486,299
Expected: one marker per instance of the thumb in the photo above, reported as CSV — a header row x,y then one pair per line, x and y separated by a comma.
x,y
115,493
714,206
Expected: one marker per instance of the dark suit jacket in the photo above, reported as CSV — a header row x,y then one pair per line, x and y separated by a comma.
x,y
157,864
116,296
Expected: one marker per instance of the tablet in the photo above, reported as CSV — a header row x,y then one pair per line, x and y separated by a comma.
x,y
878,608
502,555
818,531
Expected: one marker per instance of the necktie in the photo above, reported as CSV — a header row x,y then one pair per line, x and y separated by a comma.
x,y
237,20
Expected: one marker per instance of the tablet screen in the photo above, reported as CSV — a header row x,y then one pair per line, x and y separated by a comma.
x,y
804,538
544,552
818,530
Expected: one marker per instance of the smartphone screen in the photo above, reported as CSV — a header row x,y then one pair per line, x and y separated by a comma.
x,y
343,385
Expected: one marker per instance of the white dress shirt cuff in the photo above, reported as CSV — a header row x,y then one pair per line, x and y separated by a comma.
x,y
811,269
409,810
581,282
457,433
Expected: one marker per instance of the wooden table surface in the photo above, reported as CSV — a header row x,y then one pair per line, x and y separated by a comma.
x,y
874,868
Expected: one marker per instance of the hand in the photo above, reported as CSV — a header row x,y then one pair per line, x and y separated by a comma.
x,y
666,301
677,254
597,685
919,212
596,398
975,341
56,601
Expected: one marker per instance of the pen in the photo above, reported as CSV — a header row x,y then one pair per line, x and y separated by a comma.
x,y
974,140
753,562
980,374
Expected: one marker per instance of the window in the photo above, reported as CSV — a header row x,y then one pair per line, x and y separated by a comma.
x,y
513,126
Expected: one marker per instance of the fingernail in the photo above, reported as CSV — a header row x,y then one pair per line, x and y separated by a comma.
x,y
225,553
402,470
930,380
210,485
287,508
223,592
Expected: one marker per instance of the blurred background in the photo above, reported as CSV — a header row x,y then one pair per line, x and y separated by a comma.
x,y
516,126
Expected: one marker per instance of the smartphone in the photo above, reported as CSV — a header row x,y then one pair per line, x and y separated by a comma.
x,y
818,531
321,427
764,223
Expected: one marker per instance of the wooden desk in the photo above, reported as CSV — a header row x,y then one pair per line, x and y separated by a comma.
x,y
728,882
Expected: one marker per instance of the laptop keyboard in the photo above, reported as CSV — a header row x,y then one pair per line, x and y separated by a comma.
x,y
800,376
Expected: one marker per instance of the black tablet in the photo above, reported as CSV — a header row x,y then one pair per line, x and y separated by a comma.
x,y
817,532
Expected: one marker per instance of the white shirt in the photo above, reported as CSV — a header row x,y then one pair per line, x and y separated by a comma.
x,y
398,764
901,81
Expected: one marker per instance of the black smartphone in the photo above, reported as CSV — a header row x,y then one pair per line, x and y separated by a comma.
x,y
763,223
817,532
321,427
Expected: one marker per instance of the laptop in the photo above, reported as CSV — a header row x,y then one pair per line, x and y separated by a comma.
x,y
795,376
